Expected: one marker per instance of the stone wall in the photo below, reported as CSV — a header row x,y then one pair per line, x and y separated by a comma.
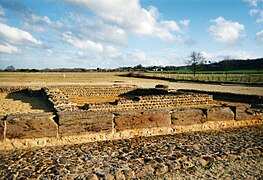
x,y
188,116
141,119
225,96
84,122
74,123
100,90
31,125
153,102
59,100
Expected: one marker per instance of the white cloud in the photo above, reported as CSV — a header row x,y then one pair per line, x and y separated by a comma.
x,y
220,55
16,36
170,25
112,52
97,30
185,22
237,54
253,2
33,27
2,14
7,48
129,15
260,18
208,56
253,11
259,36
227,32
2,11
39,19
82,44
154,12
138,55
37,23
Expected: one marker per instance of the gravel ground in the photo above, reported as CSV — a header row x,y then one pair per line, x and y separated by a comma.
x,y
226,154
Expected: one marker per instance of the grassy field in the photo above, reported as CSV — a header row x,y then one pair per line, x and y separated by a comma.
x,y
207,78
243,71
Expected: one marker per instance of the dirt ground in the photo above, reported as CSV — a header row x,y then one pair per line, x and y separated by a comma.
x,y
20,103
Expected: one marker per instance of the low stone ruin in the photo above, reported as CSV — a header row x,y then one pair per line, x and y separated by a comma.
x,y
136,112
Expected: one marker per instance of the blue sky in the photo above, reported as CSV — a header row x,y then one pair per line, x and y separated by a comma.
x,y
115,33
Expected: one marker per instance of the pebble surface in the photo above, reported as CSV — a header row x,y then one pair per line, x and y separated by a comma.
x,y
226,154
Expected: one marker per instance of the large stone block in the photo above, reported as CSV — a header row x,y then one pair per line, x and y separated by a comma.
x,y
187,116
35,125
243,113
220,114
142,119
84,122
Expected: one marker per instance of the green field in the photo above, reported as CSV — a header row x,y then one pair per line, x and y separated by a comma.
x,y
237,78
243,71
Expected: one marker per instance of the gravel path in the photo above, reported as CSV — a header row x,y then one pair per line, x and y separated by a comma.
x,y
227,154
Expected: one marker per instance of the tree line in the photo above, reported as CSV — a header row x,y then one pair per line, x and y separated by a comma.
x,y
196,62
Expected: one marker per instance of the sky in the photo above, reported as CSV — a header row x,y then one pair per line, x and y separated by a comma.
x,y
116,33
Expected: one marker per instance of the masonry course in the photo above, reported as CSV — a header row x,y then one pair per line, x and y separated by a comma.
x,y
142,119
84,122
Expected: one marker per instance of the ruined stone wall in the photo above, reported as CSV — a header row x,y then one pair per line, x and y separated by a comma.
x,y
32,125
59,100
153,102
85,126
84,122
142,116
81,91
11,89
225,96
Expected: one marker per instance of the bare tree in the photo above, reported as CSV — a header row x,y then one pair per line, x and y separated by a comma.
x,y
196,59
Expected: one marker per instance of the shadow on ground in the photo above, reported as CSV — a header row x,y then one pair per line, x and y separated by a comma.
x,y
36,102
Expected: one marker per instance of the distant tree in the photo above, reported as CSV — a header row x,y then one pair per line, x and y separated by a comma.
x,y
10,68
196,59
138,67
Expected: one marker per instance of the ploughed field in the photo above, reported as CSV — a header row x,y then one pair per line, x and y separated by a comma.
x,y
226,154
